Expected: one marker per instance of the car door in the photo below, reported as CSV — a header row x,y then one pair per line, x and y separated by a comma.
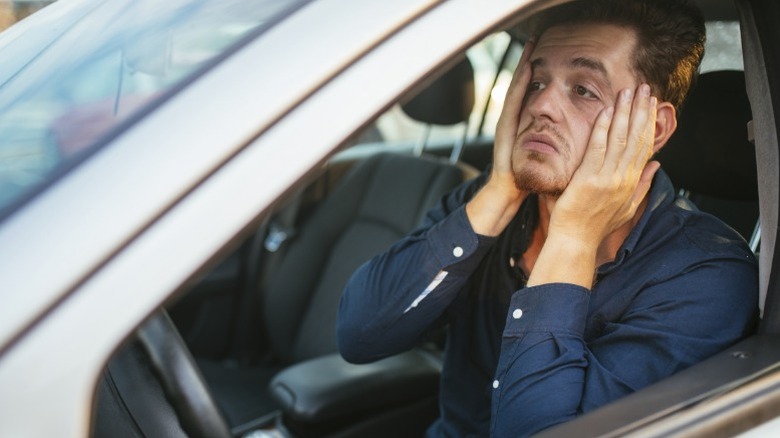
x,y
121,230
89,255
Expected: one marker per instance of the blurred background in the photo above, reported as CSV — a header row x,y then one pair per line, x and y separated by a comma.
x,y
12,11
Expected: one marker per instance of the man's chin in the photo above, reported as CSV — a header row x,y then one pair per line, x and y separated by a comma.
x,y
533,183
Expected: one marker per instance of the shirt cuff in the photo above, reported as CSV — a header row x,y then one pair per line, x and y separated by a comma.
x,y
555,307
455,244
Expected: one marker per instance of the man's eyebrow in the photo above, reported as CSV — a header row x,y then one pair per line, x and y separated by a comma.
x,y
591,64
594,65
580,62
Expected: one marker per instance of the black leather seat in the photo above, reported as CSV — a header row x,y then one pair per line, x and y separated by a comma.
x,y
379,201
710,157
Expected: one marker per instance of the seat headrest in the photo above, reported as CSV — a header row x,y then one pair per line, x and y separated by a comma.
x,y
448,100
710,154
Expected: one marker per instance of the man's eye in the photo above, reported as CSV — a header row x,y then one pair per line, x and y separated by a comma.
x,y
584,92
535,86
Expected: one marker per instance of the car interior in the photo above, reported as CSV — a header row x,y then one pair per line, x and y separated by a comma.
x,y
377,201
249,349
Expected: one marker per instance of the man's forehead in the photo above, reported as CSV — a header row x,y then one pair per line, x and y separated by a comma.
x,y
584,62
605,39
599,47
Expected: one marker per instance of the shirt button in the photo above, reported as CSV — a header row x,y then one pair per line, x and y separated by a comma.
x,y
517,314
495,384
457,251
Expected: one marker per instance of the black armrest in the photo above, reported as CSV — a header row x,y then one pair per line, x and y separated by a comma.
x,y
329,388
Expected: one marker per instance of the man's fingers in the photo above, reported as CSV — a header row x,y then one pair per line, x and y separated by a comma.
x,y
641,131
597,145
509,120
618,131
525,58
517,87
646,137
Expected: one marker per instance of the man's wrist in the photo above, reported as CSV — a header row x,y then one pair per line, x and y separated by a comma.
x,y
493,207
564,259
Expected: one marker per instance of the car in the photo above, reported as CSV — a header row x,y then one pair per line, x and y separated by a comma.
x,y
163,166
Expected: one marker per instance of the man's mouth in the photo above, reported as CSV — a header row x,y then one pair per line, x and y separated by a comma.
x,y
540,143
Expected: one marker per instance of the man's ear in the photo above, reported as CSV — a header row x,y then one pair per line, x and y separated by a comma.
x,y
665,124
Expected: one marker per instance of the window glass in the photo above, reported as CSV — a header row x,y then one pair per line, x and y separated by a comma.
x,y
98,72
12,11
498,92
396,126
723,50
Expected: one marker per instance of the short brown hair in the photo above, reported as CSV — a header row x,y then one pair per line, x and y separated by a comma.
x,y
670,37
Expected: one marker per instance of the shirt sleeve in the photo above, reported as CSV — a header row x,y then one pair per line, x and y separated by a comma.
x,y
391,302
548,374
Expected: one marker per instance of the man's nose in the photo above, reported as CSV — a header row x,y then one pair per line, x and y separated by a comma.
x,y
545,103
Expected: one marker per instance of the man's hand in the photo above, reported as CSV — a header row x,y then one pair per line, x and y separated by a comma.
x,y
604,192
494,206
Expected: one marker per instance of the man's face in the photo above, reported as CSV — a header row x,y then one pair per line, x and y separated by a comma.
x,y
578,70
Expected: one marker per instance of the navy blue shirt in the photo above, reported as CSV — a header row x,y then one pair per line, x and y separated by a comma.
x,y
518,359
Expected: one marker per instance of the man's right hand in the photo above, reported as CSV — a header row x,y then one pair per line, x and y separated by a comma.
x,y
494,206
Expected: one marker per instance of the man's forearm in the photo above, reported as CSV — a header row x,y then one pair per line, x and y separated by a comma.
x,y
492,209
392,301
565,260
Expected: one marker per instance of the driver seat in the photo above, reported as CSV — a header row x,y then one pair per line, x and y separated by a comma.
x,y
379,201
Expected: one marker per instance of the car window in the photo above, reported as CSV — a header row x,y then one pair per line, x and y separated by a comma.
x,y
723,50
12,11
395,126
101,71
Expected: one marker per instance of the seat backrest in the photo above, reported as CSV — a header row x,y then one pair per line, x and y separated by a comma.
x,y
448,100
710,156
378,202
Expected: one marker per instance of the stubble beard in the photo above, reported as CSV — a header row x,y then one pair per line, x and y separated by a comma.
x,y
533,182
532,175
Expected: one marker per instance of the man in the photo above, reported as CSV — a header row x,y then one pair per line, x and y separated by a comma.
x,y
570,275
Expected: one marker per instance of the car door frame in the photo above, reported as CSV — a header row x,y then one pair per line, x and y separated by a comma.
x,y
119,257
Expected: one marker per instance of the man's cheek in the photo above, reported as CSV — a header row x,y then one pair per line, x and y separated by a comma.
x,y
592,117
523,126
577,152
